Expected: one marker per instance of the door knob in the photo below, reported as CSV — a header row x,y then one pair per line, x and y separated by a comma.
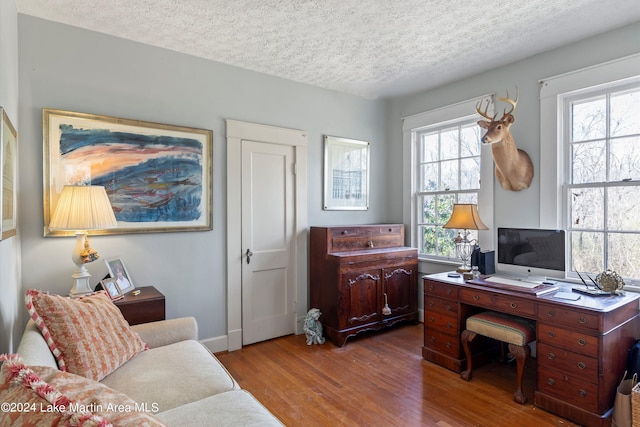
x,y
249,254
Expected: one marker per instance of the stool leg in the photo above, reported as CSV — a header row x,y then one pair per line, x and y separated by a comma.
x,y
521,354
466,337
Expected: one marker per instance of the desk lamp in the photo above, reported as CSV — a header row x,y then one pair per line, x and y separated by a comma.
x,y
465,216
82,208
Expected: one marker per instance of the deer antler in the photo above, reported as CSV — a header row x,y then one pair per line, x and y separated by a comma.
x,y
510,101
484,113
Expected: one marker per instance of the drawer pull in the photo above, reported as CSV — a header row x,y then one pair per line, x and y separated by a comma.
x,y
476,297
582,320
552,334
582,342
448,308
551,381
431,304
551,356
514,305
432,319
431,287
551,313
449,325
433,339
448,345
581,365
449,291
582,393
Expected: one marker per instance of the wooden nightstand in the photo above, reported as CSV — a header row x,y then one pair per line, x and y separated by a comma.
x,y
147,306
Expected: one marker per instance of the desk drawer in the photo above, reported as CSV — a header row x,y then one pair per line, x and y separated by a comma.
x,y
442,343
571,318
568,362
440,305
440,289
445,323
570,389
502,303
574,341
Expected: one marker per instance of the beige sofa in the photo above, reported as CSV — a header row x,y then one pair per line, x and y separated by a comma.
x,y
178,378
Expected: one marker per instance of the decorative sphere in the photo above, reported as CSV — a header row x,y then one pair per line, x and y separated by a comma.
x,y
610,281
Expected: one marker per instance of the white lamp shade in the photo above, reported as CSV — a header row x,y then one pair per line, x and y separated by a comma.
x,y
83,207
465,217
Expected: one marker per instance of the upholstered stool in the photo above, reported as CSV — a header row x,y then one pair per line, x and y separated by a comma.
x,y
515,331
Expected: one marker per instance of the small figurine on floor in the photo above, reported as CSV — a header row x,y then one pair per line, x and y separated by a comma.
x,y
313,328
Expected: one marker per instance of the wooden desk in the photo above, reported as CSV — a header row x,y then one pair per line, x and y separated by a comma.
x,y
581,345
147,306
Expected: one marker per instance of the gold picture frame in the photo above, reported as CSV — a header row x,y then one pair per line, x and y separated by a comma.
x,y
158,177
8,169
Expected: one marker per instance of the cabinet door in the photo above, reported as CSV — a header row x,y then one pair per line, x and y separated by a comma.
x,y
360,298
400,286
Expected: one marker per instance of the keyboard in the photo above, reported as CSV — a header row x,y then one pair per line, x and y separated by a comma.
x,y
511,282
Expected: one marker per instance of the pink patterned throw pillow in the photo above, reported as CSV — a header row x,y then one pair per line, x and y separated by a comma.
x,y
39,396
88,336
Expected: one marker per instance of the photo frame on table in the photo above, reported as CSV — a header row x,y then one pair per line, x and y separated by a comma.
x,y
119,273
158,177
112,288
8,172
346,174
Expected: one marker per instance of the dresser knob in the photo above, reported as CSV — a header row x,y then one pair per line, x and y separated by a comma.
x,y
433,339
582,320
476,297
448,345
514,305
448,308
431,319
431,287
431,304
449,291
581,365
582,342
551,356
551,313
552,334
449,325
551,381
582,393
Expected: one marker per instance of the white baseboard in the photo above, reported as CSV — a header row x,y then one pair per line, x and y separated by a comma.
x,y
217,344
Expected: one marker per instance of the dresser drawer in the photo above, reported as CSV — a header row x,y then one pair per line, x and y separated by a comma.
x,y
440,289
568,339
440,305
442,343
445,323
571,318
502,303
568,362
567,388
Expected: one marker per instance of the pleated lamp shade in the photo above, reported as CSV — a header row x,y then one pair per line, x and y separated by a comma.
x,y
82,208
465,217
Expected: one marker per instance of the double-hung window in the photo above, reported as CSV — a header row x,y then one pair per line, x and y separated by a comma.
x,y
446,168
590,152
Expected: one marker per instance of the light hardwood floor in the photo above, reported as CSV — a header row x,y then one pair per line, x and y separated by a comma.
x,y
379,379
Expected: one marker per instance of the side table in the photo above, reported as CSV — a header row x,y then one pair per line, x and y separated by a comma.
x,y
147,306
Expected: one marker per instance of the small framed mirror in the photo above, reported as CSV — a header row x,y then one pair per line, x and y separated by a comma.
x,y
346,174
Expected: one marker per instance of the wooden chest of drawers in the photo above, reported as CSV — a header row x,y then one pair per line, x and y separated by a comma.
x,y
581,345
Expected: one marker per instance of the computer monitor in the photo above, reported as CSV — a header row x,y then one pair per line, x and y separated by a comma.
x,y
527,252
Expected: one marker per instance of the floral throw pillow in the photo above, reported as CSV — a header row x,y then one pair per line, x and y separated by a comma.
x,y
88,336
44,396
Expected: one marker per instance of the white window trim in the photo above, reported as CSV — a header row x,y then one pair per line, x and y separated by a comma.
x,y
455,112
553,91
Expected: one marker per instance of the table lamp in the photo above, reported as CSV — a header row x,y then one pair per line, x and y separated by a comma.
x,y
82,208
465,217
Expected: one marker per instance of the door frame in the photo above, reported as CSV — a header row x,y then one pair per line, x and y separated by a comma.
x,y
237,131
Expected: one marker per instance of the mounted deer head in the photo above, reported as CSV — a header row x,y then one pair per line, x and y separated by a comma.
x,y
513,166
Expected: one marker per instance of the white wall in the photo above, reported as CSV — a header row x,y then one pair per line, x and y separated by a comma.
x,y
10,261
77,70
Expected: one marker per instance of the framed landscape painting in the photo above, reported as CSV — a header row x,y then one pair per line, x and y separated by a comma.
x,y
158,177
8,169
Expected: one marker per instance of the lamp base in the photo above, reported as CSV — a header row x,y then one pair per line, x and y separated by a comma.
x,y
463,269
81,285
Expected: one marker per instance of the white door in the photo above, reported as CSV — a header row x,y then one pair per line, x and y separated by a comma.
x,y
268,232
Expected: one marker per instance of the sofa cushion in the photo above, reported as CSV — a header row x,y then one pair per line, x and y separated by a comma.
x,y
88,336
235,407
172,375
45,396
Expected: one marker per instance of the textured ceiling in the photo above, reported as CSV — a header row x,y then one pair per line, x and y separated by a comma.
x,y
371,48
